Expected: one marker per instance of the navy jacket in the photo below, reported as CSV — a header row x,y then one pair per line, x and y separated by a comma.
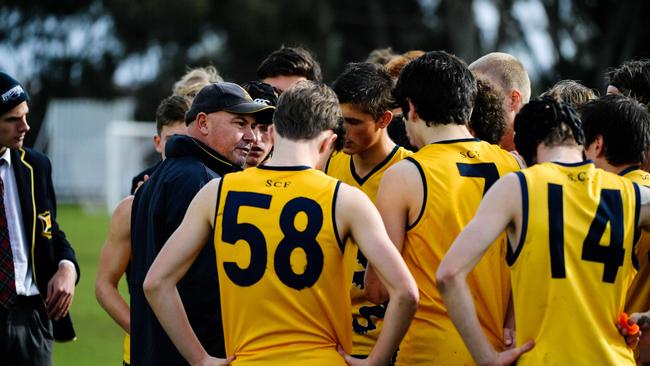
x,y
158,209
47,243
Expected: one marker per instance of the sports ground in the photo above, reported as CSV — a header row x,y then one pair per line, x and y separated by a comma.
x,y
99,339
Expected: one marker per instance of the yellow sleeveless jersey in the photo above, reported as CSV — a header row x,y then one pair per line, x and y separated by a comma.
x,y
574,264
456,174
280,264
638,296
367,318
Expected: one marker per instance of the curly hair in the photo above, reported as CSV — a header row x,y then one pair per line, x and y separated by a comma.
x,y
488,122
546,121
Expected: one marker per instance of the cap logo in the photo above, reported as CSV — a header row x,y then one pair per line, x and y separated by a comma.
x,y
262,101
11,94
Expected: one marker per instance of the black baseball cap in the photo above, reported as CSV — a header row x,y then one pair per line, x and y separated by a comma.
x,y
228,97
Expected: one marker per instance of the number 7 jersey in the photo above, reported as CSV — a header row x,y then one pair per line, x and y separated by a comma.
x,y
574,263
280,264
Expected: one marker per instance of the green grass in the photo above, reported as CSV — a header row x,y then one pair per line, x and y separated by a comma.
x,y
99,339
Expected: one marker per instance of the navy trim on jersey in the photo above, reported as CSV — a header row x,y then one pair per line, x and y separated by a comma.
x,y
281,168
629,169
584,162
424,197
336,230
374,170
327,164
216,209
456,140
511,256
637,232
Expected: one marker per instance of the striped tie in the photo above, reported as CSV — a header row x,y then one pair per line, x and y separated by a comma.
x,y
7,274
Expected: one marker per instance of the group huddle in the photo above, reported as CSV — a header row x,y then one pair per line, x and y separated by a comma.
x,y
417,211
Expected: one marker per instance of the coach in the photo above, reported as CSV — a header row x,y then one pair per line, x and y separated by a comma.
x,y
221,132
38,268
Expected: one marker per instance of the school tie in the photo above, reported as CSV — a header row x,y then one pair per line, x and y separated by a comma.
x,y
7,274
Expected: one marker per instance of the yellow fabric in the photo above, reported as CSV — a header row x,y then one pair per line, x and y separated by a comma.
x,y
638,296
451,201
126,356
279,316
367,318
570,309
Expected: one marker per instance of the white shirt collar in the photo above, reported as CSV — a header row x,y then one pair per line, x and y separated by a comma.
x,y
6,156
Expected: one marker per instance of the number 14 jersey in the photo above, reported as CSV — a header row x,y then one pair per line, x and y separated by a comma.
x,y
280,263
574,264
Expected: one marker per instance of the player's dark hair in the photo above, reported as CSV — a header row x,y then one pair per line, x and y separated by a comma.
x,y
290,61
546,121
366,85
632,78
440,86
171,110
306,109
488,122
624,125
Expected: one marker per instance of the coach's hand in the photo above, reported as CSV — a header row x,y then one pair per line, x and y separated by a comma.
x,y
506,358
60,291
213,361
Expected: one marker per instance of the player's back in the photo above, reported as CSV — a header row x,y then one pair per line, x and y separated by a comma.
x,y
574,264
367,318
456,174
280,264
638,296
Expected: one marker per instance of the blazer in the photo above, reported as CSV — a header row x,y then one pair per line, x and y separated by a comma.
x,y
47,243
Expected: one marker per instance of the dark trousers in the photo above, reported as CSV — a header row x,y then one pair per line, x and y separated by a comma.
x,y
26,333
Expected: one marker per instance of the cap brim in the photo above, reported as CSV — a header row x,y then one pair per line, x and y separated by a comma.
x,y
263,113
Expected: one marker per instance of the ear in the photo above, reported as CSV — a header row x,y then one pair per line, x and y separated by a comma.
x,y
157,144
385,119
202,123
599,146
325,146
515,100
413,114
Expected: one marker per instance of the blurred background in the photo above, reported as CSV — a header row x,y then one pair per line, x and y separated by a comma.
x,y
89,64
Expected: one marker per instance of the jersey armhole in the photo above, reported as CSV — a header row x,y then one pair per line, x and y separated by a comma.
x,y
637,232
216,208
511,256
424,195
336,228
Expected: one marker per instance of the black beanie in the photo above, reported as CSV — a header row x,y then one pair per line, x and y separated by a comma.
x,y
11,93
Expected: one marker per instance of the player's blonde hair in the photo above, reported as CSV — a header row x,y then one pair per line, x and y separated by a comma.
x,y
194,80
504,70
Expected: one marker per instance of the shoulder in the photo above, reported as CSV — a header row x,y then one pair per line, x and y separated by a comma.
x,y
336,161
32,157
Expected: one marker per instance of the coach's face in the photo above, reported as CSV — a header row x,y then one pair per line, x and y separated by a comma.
x,y
231,135
13,127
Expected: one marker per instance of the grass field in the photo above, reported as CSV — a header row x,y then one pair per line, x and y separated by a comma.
x,y
99,339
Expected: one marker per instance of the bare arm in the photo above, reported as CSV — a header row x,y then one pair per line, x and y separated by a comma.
x,y
496,213
171,264
112,265
398,191
356,215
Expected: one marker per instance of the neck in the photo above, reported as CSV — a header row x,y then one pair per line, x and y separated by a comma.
x,y
562,154
3,149
367,160
437,133
294,153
